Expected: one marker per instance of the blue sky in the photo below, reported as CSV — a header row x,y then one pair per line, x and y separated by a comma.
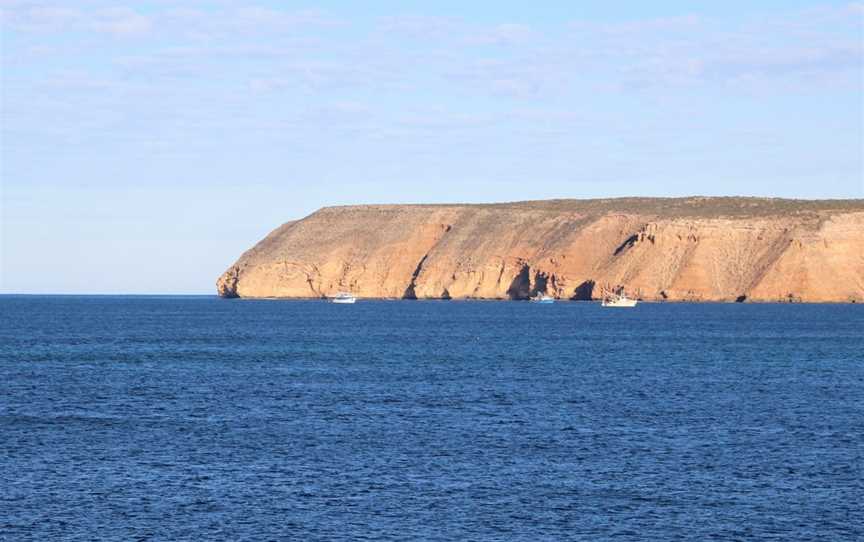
x,y
146,144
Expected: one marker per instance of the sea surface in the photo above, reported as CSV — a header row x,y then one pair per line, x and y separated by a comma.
x,y
197,418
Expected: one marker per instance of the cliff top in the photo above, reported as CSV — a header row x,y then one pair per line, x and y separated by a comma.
x,y
694,206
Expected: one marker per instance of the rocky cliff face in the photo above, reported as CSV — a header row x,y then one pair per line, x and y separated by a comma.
x,y
693,249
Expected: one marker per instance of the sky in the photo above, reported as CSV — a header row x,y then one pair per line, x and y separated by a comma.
x,y
145,145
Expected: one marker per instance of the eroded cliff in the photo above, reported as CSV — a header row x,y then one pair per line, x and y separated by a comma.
x,y
695,249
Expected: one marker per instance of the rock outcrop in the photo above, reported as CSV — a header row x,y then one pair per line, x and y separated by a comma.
x,y
687,249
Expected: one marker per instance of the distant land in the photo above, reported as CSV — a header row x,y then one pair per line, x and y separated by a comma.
x,y
659,249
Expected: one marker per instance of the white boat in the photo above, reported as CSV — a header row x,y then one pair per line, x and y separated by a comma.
x,y
543,298
618,300
343,297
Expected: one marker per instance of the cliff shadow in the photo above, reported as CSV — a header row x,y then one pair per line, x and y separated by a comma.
x,y
520,287
541,283
628,243
584,292
410,292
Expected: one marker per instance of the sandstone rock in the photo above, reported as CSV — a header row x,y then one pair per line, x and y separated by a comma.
x,y
682,249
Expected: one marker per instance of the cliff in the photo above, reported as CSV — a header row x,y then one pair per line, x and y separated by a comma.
x,y
693,249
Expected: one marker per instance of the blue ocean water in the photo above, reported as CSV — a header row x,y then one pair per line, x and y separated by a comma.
x,y
171,418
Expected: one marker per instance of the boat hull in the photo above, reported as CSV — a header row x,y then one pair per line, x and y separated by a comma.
x,y
620,303
343,298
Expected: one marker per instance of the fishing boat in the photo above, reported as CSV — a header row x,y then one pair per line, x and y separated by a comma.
x,y
343,297
618,300
543,298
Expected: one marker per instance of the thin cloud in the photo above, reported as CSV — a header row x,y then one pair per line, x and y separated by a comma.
x,y
652,25
39,18
419,26
503,34
121,22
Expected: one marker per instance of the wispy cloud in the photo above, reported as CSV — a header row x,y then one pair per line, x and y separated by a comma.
x,y
58,18
245,19
119,20
176,51
419,26
628,54
641,26
503,34
40,18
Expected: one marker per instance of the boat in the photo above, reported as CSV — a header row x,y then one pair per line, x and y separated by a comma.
x,y
543,298
343,297
618,300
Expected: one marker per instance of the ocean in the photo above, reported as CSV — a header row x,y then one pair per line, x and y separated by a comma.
x,y
198,418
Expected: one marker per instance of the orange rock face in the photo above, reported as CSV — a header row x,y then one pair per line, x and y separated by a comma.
x,y
689,249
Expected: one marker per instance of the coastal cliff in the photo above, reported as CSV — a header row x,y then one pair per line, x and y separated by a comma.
x,y
681,249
